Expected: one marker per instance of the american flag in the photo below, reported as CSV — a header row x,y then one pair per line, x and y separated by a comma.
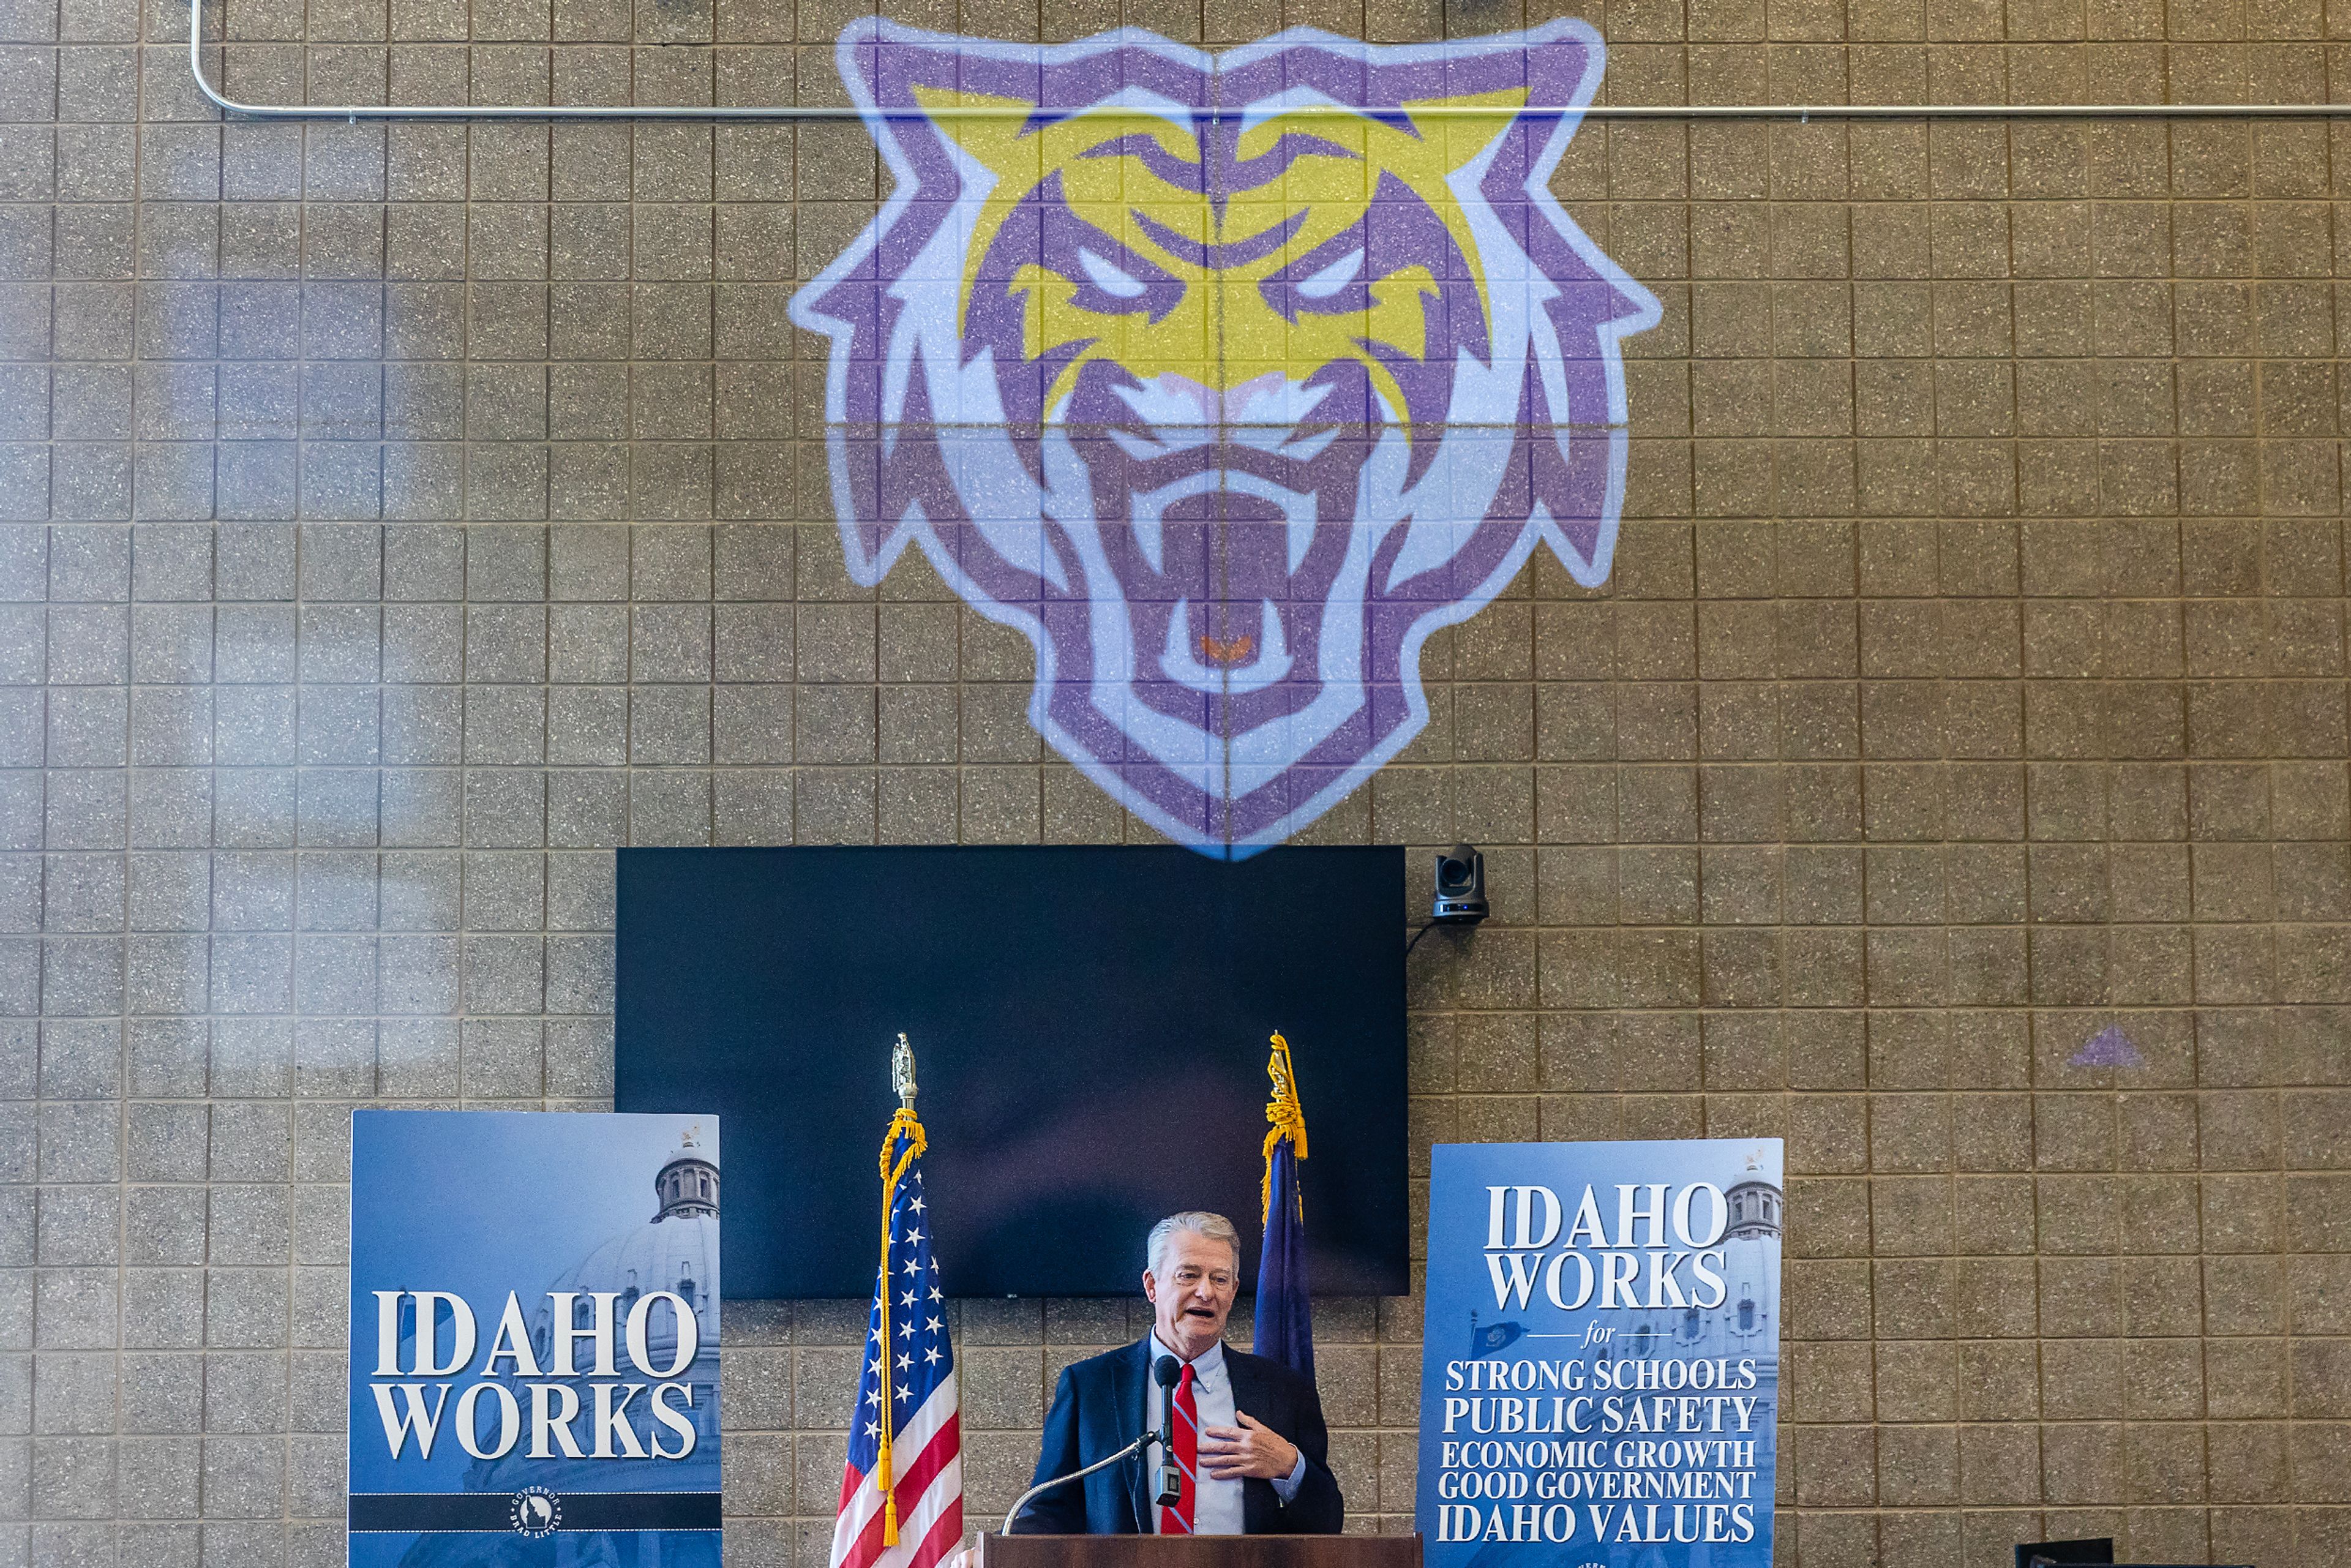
x,y
909,1364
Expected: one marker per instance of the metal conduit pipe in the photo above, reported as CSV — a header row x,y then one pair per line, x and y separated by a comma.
x,y
817,113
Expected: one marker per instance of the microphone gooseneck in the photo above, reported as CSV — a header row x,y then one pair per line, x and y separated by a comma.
x,y
1168,1371
1073,1475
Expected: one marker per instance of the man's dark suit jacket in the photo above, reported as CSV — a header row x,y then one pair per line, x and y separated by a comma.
x,y
1100,1407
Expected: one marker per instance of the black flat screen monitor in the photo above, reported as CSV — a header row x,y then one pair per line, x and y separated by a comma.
x,y
1089,1027
2093,1548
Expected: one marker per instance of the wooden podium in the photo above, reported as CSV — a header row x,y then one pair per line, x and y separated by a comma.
x,y
1198,1551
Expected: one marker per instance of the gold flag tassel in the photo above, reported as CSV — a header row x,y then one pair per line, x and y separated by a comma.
x,y
1288,1119
902,1074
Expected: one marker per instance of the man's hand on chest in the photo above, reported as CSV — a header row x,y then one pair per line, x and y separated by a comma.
x,y
1248,1449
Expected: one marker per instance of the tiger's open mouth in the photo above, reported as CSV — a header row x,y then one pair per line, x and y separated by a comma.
x,y
1226,549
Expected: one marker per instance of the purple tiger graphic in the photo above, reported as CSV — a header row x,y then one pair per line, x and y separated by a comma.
x,y
1226,379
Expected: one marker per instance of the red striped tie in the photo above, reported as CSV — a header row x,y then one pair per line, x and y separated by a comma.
x,y
1177,1521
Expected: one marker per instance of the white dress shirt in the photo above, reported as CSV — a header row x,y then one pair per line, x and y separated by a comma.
x,y
1216,1504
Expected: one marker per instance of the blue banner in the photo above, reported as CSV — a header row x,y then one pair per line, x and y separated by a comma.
x,y
534,1340
1599,1371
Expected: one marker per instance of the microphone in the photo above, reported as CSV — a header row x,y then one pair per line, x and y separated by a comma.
x,y
1168,1373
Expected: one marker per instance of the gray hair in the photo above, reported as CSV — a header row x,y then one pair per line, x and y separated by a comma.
x,y
1201,1222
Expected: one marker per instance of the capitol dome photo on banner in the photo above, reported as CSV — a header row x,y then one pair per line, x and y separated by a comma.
x,y
1601,1359
534,1340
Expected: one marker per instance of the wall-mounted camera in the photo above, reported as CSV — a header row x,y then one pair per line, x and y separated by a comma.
x,y
1460,887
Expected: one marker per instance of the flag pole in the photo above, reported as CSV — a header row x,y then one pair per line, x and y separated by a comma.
x,y
901,1077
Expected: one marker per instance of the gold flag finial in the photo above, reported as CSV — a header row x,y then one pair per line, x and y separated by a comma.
x,y
901,1072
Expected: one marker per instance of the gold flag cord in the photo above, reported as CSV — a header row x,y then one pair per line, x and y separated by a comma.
x,y
884,1476
1288,1119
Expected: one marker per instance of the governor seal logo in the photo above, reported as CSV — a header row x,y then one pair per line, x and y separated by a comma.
x,y
535,1511
1226,379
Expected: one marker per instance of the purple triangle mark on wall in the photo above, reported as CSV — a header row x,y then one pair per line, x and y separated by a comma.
x,y
2110,1047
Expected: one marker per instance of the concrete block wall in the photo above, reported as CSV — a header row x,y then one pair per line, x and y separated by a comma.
x,y
403,517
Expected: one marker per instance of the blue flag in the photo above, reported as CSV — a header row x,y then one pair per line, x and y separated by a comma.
x,y
1285,1324
1485,1339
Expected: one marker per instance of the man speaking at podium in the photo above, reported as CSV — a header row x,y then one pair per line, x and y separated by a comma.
x,y
1248,1436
